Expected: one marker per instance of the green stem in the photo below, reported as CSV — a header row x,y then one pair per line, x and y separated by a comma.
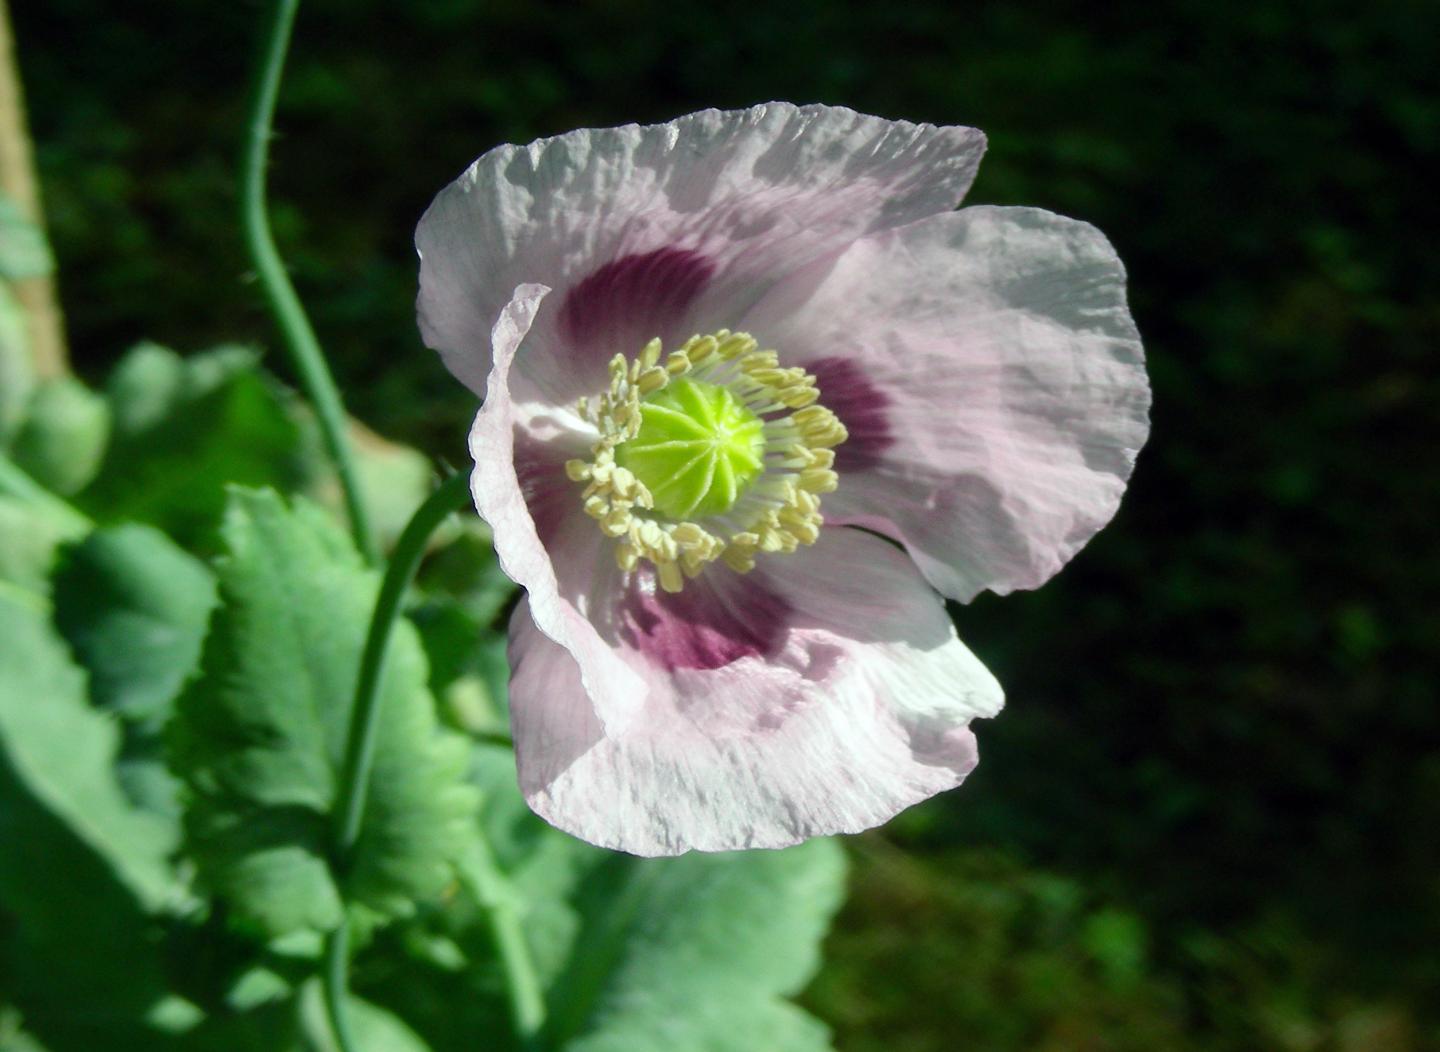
x,y
337,963
305,353
452,494
493,892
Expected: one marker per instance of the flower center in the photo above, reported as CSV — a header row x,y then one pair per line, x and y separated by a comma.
x,y
699,448
720,453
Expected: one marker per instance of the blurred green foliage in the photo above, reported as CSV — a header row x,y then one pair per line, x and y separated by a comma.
x,y
1210,817
171,741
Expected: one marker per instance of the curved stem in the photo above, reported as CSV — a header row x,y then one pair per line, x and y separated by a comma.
x,y
284,304
333,982
452,494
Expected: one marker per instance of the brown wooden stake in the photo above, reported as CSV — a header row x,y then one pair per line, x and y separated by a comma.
x,y
37,296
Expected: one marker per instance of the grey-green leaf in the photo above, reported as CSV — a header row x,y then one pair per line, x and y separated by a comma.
x,y
134,606
698,952
183,428
260,735
33,525
62,439
79,868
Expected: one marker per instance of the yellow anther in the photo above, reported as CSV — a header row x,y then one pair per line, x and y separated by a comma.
x,y
782,513
734,344
819,480
671,578
652,379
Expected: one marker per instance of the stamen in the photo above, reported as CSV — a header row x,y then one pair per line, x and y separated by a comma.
x,y
718,455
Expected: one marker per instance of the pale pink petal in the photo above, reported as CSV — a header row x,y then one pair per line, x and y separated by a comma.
x,y
520,489
822,693
992,381
665,230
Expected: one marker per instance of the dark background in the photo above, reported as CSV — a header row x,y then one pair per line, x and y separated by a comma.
x,y
1210,816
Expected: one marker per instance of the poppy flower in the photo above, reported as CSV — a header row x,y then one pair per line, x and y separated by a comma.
x,y
756,400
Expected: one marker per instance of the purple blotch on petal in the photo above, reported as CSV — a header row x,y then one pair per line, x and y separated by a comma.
x,y
860,405
549,494
700,627
643,293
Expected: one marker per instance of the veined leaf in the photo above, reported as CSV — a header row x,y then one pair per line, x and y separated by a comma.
x,y
134,608
699,953
260,735
79,869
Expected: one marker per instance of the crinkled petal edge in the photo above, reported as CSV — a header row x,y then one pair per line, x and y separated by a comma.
x,y
495,487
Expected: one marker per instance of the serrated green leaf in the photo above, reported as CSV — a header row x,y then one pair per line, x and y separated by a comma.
x,y
183,429
62,439
697,953
62,752
260,735
79,868
24,252
134,608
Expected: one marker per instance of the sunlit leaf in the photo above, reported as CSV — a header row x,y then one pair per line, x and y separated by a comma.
x,y
134,608
697,952
33,525
79,868
260,736
700,953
